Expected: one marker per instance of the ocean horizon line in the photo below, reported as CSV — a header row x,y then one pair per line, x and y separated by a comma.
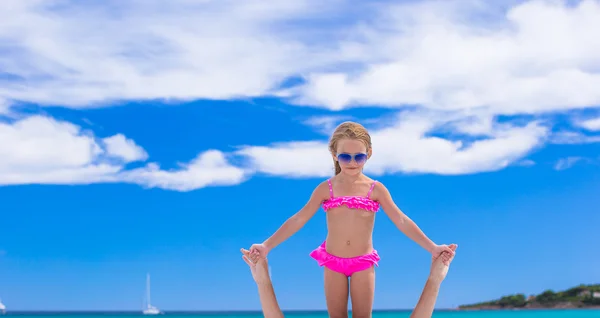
x,y
184,312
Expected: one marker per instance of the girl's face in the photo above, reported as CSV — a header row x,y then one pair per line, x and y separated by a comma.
x,y
351,155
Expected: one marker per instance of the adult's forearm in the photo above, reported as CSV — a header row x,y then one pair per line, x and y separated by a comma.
x,y
268,301
426,304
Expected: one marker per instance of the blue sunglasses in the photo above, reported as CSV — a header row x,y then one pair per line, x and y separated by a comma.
x,y
346,158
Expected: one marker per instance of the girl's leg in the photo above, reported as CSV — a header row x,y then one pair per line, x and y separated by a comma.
x,y
362,291
336,294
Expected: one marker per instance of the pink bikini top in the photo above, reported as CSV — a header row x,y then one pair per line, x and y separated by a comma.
x,y
353,202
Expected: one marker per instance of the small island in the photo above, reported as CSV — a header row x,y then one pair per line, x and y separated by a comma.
x,y
582,296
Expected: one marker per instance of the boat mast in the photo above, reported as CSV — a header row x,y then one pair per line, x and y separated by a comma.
x,y
148,290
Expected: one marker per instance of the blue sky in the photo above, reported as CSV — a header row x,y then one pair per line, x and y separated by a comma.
x,y
129,147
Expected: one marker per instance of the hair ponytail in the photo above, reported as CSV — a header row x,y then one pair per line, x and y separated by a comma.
x,y
337,167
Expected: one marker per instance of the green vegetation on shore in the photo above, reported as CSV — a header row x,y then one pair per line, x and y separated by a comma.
x,y
581,296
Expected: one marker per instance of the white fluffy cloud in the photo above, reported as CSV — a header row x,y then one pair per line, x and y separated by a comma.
x,y
572,138
539,56
126,149
296,159
42,150
407,148
210,168
82,54
591,124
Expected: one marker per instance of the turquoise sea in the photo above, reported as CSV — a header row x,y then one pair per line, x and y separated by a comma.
x,y
388,314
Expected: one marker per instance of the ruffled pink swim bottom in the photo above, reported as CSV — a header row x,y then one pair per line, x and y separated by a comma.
x,y
346,266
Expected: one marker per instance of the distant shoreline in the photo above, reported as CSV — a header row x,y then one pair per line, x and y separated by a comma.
x,y
578,297
528,309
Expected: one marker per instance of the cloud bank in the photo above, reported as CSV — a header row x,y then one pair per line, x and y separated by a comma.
x,y
461,64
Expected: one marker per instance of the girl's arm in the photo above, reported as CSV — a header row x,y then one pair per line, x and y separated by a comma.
x,y
297,221
402,222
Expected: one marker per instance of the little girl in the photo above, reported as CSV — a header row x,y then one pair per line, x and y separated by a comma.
x,y
350,199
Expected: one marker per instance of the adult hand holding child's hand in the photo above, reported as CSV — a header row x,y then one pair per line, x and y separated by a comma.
x,y
259,268
443,251
440,265
258,251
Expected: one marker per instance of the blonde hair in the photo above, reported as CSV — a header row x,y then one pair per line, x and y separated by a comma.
x,y
348,130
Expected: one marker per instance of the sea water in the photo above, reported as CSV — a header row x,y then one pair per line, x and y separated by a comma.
x,y
591,313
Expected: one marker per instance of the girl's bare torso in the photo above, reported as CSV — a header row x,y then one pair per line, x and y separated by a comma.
x,y
350,231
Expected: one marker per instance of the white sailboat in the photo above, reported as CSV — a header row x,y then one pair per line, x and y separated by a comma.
x,y
149,309
2,308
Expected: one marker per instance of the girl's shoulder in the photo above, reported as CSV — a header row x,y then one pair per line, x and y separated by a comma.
x,y
322,190
379,191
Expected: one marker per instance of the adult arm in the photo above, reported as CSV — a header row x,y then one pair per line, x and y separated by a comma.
x,y
437,274
266,293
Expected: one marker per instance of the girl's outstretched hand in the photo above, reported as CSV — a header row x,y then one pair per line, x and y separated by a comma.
x,y
258,251
439,249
